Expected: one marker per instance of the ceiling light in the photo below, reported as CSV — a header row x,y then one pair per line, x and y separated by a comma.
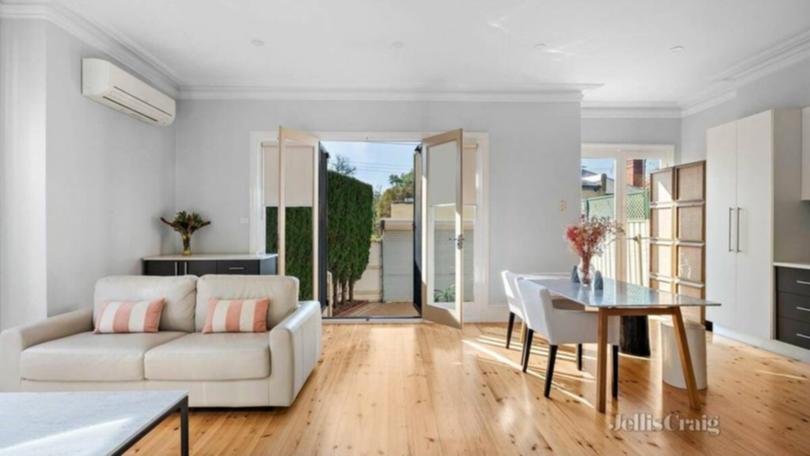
x,y
257,42
540,46
676,49
397,45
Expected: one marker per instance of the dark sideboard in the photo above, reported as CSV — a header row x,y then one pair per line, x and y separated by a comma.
x,y
198,265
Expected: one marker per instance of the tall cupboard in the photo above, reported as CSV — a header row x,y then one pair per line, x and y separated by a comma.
x,y
754,216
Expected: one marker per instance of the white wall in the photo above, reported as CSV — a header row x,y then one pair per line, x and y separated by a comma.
x,y
534,163
787,88
83,185
110,178
22,171
632,131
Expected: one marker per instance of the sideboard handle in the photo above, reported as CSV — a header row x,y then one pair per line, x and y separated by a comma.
x,y
803,309
803,336
242,268
803,282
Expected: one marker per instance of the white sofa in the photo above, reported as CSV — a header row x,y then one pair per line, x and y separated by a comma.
x,y
219,370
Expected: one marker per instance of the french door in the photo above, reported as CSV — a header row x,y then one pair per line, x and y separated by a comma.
x,y
299,189
440,227
615,182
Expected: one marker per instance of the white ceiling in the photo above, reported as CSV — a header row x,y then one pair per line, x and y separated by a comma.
x,y
452,45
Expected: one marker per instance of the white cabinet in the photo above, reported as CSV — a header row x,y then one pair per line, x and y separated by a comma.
x,y
754,216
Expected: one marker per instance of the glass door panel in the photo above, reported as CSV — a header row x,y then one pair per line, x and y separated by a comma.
x,y
637,186
442,208
598,181
293,209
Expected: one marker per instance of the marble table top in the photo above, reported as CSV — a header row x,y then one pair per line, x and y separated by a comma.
x,y
78,423
617,294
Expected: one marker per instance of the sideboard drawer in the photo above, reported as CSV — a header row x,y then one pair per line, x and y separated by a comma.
x,y
794,332
238,267
793,280
793,306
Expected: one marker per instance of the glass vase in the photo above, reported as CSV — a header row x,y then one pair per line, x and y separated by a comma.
x,y
585,271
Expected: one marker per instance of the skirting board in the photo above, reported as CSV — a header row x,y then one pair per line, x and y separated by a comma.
x,y
770,345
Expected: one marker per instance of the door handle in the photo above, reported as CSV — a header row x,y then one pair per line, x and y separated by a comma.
x,y
738,230
730,211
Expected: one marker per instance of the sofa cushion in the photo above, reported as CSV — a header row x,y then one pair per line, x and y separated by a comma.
x,y
217,356
282,292
91,357
179,294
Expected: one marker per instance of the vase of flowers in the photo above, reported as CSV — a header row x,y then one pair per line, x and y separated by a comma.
x,y
586,239
186,224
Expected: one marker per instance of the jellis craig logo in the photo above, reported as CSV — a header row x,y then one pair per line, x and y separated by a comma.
x,y
645,422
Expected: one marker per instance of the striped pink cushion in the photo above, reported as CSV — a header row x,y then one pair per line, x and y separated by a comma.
x,y
129,316
236,315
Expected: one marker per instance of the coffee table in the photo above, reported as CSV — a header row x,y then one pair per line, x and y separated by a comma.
x,y
85,423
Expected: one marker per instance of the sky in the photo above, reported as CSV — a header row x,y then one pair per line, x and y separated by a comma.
x,y
374,161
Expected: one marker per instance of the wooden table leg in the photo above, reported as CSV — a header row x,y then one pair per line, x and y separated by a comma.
x,y
686,359
184,427
522,332
601,360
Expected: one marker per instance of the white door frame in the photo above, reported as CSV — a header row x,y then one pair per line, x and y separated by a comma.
x,y
620,153
473,311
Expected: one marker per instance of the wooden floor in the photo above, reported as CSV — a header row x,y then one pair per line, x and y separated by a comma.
x,y
423,389
381,309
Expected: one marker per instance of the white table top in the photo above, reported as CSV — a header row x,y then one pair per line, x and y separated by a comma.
x,y
212,257
78,423
617,294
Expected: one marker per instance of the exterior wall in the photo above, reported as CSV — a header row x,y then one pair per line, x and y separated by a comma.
x,y
369,287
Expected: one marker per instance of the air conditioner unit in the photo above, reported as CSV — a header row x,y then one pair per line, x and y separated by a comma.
x,y
109,85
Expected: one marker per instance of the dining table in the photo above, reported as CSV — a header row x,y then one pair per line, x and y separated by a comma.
x,y
616,299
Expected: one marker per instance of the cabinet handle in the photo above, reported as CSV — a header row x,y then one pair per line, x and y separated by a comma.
x,y
803,309
185,268
803,282
803,336
730,211
738,229
176,268
236,268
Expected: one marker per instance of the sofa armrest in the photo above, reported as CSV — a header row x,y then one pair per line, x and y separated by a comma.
x,y
14,340
295,348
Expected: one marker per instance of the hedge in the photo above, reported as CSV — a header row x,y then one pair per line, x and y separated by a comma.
x,y
348,233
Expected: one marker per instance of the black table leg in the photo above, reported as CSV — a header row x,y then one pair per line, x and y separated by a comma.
x,y
184,427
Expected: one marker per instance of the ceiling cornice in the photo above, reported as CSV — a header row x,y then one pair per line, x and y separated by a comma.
x,y
109,42
548,93
723,86
630,110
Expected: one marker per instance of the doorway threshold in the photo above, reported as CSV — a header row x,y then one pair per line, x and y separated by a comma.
x,y
371,320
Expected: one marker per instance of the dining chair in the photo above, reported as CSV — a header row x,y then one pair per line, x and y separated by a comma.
x,y
561,326
516,307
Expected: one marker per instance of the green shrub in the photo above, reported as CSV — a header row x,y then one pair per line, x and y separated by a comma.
x,y
348,233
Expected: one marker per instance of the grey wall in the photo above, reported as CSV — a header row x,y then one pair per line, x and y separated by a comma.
x,y
22,171
110,178
534,163
632,131
787,88
83,184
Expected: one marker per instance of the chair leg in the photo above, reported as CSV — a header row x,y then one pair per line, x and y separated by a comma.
x,y
527,348
615,359
509,328
552,356
579,357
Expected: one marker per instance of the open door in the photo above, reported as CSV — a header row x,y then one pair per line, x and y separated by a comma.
x,y
299,161
440,206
